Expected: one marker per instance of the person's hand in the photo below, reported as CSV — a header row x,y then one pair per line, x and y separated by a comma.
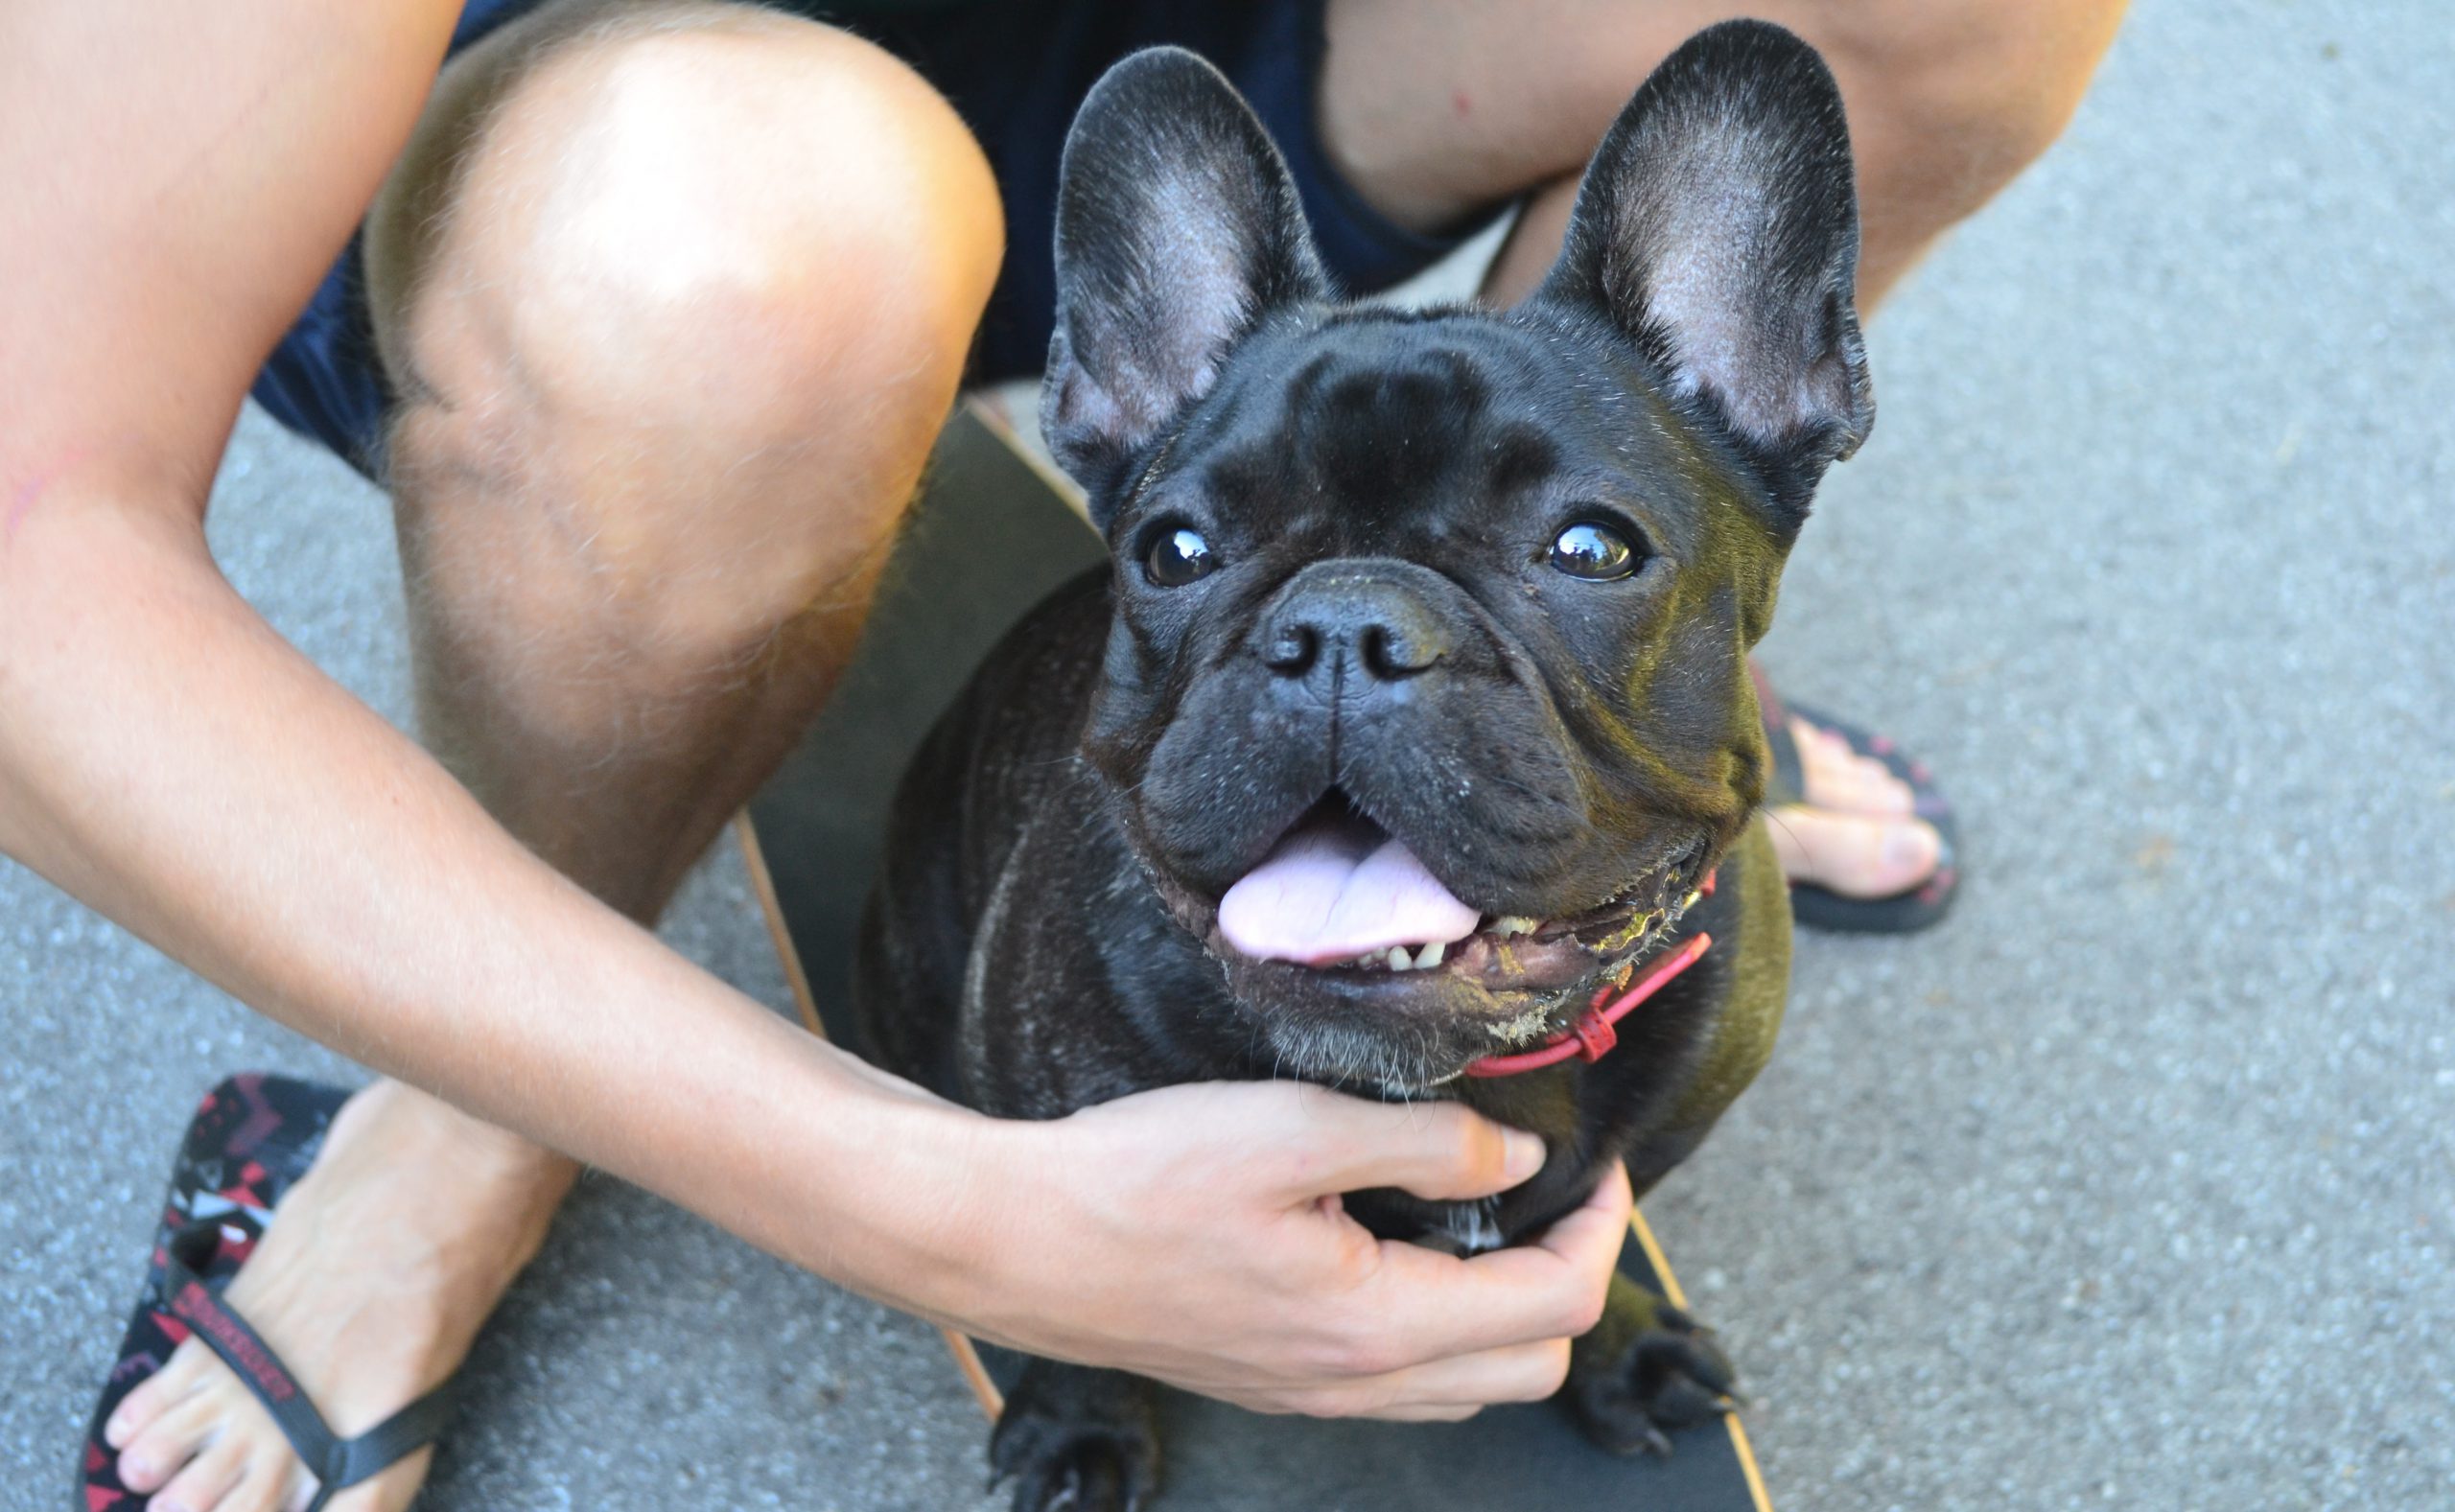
x,y
1196,1235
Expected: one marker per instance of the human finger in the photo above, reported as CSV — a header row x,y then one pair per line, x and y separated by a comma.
x,y
1441,1151
1439,1307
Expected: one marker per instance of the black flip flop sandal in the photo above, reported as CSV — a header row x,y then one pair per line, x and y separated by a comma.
x,y
1821,908
252,1139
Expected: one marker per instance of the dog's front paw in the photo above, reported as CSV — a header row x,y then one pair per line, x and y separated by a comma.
x,y
1648,1370
1077,1440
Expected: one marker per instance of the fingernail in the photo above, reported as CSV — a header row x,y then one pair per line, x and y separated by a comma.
x,y
1524,1157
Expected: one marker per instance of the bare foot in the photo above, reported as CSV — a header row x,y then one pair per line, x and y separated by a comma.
x,y
1855,835
376,1272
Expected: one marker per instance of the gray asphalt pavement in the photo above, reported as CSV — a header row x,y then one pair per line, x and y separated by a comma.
x,y
2134,1186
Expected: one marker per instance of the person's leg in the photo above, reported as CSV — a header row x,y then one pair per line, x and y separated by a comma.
x,y
677,298
1433,110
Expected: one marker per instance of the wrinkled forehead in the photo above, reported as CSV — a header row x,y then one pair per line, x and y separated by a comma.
x,y
1372,405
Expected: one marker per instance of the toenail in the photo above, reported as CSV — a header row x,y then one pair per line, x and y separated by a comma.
x,y
1908,843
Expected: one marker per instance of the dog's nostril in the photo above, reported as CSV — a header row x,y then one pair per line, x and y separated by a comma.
x,y
1293,649
1390,655
1376,650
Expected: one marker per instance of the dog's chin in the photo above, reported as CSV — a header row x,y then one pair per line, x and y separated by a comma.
x,y
1402,1028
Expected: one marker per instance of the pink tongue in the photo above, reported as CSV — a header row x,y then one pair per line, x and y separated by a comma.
x,y
1335,890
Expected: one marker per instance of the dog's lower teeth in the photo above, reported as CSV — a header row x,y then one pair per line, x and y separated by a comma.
x,y
1508,924
1399,958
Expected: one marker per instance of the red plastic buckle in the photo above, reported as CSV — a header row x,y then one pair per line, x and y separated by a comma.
x,y
1595,1036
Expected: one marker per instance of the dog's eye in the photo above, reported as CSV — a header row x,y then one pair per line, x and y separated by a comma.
x,y
1594,552
1177,556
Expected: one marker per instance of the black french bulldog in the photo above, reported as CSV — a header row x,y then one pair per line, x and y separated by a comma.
x,y
1414,709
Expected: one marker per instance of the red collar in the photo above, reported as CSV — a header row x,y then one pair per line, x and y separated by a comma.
x,y
1590,1037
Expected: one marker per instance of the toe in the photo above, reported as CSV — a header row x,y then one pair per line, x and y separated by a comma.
x,y
1833,776
1857,855
157,1393
1819,746
1883,791
273,1484
1867,787
1912,850
209,1478
164,1446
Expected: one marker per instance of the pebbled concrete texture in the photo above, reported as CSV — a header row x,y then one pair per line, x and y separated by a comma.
x,y
2132,1186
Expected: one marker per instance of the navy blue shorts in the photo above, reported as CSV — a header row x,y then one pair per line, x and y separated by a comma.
x,y
1015,70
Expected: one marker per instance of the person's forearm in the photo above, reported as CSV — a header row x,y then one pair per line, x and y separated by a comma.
x,y
168,758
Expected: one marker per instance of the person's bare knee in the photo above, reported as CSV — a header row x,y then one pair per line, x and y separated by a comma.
x,y
672,348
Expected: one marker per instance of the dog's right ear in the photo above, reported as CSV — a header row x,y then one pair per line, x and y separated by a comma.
x,y
1177,229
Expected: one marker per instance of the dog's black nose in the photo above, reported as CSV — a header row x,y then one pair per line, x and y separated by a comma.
x,y
1348,622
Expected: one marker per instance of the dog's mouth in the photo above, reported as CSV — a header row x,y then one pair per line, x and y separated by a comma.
x,y
1343,916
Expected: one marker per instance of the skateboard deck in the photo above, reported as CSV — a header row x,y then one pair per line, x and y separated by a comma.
x,y
812,840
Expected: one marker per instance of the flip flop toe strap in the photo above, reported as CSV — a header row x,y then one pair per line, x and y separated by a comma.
x,y
335,1462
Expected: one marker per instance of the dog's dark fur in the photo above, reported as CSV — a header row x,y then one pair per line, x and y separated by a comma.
x,y
1386,626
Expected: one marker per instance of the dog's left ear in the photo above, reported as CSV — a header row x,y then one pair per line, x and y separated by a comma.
x,y
1718,227
1177,229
